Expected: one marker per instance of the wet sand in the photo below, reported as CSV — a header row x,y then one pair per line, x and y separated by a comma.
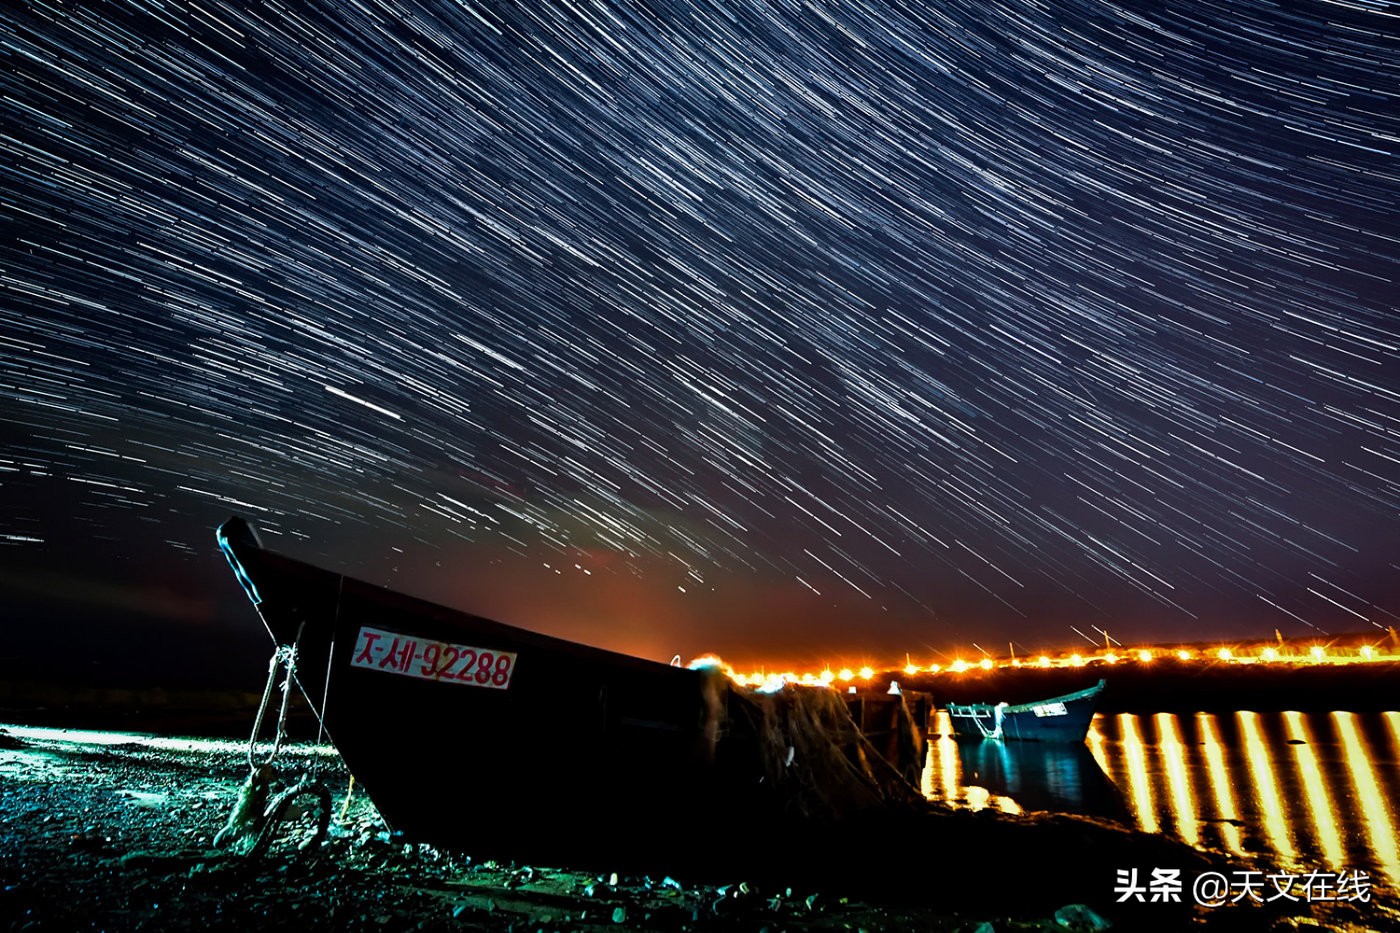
x,y
115,831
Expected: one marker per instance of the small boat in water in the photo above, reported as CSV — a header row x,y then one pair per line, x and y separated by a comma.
x,y
1058,719
509,744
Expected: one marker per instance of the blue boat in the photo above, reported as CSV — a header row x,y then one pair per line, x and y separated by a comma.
x,y
1058,719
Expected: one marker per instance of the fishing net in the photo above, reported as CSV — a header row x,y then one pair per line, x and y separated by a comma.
x,y
811,757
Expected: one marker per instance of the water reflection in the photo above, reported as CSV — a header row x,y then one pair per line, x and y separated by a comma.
x,y
1220,785
1374,803
1180,788
1261,772
1140,788
1301,792
1316,797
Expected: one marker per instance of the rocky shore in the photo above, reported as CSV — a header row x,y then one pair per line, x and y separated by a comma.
x,y
105,831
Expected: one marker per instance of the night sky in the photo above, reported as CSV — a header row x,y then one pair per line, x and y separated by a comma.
x,y
791,332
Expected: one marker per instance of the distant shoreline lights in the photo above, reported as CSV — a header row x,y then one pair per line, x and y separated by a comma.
x,y
1294,655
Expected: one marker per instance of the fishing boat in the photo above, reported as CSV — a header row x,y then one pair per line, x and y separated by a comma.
x,y
475,735
1058,719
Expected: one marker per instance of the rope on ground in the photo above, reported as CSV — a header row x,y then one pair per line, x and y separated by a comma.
x,y
253,815
277,812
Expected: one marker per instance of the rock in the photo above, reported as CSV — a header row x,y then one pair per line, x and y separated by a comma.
x,y
1081,919
10,742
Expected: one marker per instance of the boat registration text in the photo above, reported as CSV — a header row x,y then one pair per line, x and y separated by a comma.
x,y
378,650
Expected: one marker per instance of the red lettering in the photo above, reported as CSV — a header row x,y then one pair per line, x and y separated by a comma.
x,y
400,656
367,653
501,676
483,667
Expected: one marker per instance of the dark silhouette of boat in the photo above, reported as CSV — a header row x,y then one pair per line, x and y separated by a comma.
x,y
509,744
501,743
1058,719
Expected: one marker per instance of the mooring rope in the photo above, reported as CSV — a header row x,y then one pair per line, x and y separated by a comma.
x,y
320,714
997,714
286,656
253,814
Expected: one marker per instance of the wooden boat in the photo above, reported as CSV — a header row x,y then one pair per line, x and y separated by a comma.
x,y
509,744
1058,719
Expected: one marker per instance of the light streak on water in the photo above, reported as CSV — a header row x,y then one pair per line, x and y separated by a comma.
x,y
948,758
976,797
1220,783
1261,771
1293,792
1319,802
1140,789
1183,801
1096,740
1380,827
1007,805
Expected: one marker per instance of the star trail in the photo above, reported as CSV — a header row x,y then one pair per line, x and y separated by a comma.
x,y
790,330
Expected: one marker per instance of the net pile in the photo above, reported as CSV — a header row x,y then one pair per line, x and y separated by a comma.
x,y
811,757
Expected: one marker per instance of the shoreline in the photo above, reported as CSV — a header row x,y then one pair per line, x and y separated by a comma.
x,y
1168,686
117,834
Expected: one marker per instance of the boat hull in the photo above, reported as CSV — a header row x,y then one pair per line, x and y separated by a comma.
x,y
559,740
1059,719
504,743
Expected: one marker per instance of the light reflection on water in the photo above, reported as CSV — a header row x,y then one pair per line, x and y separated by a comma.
x,y
1303,792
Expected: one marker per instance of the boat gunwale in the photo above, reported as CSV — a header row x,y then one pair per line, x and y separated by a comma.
x,y
437,615
983,709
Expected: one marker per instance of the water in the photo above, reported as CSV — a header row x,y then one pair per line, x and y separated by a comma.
x,y
1300,792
